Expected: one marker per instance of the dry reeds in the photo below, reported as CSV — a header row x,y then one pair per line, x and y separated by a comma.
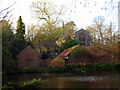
x,y
57,62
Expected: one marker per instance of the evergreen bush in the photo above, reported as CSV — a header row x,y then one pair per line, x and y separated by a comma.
x,y
79,52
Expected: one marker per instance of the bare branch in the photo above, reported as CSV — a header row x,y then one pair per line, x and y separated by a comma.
x,y
4,16
58,16
43,18
109,51
7,8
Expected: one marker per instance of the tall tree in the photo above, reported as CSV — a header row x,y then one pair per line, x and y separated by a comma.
x,y
46,38
7,37
47,12
19,42
69,30
7,33
105,37
69,43
20,29
49,32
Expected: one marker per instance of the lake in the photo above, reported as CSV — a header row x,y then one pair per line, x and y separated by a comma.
x,y
74,80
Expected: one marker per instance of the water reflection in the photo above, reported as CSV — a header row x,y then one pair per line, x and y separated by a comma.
x,y
82,80
87,78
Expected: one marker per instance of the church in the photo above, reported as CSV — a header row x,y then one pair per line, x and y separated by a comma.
x,y
83,37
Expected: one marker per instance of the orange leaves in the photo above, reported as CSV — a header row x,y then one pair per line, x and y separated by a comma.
x,y
58,62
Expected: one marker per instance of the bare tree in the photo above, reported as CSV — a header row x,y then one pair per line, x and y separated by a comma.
x,y
105,37
47,11
49,31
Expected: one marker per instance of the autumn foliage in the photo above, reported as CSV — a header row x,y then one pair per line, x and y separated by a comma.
x,y
58,62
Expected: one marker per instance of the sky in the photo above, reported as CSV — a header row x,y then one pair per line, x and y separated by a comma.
x,y
79,11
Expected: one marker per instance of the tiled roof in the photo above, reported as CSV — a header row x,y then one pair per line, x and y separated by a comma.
x,y
91,49
67,51
95,51
27,51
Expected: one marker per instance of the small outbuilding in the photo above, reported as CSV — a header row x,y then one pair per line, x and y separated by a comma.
x,y
28,58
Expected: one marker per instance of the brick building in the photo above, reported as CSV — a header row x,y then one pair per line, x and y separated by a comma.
x,y
96,55
28,58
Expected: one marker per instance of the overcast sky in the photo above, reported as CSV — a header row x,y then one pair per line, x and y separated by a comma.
x,y
82,15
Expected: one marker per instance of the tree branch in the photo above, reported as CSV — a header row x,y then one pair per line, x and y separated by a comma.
x,y
6,12
58,16
118,54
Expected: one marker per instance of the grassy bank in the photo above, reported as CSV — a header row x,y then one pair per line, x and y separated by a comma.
x,y
71,68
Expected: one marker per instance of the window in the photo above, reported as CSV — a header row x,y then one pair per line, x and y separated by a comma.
x,y
82,39
82,35
88,41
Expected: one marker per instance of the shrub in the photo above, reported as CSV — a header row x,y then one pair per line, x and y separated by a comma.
x,y
82,69
68,44
16,46
71,67
8,63
115,66
105,67
93,67
57,62
58,70
79,52
9,85
35,69
35,83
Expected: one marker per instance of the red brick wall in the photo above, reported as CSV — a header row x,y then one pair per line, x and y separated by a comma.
x,y
92,59
45,62
28,58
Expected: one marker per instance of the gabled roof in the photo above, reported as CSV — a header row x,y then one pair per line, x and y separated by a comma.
x,y
67,51
82,31
91,49
27,50
95,51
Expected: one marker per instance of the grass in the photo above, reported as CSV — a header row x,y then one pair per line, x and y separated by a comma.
x,y
72,68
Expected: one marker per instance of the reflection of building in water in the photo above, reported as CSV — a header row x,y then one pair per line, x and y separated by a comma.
x,y
83,37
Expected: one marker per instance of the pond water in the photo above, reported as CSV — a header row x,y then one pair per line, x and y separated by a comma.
x,y
76,80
